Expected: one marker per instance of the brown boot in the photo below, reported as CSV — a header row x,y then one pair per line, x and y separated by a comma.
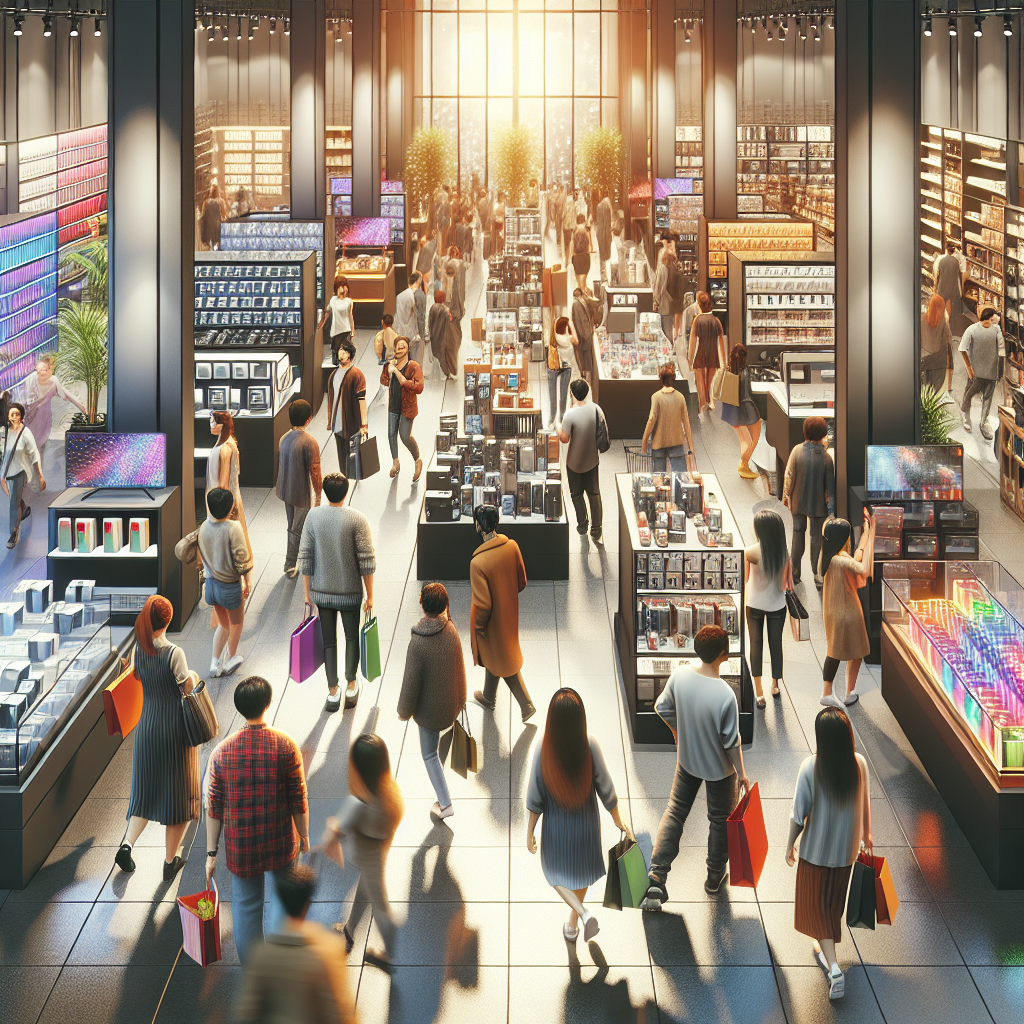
x,y
418,471
394,468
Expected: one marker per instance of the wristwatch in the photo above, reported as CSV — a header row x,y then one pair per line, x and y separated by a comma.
x,y
211,853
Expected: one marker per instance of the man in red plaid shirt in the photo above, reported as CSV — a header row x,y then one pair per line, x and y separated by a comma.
x,y
257,793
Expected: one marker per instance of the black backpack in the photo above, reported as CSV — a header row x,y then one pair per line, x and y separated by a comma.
x,y
601,431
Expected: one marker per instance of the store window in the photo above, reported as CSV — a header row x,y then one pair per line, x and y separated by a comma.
x,y
242,117
482,65
785,95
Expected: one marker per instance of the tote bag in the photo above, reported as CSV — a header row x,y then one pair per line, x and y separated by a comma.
x,y
627,880
730,391
199,715
369,650
306,648
201,938
748,840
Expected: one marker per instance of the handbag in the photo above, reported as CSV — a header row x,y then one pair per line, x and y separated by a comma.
x,y
369,650
363,460
730,387
199,715
122,703
799,620
716,382
200,937
187,549
627,875
748,840
860,907
464,749
601,432
306,648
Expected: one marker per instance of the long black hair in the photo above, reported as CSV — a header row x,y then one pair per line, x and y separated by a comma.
x,y
835,536
770,531
836,772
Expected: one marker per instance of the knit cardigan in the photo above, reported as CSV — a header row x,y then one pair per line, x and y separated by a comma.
x,y
336,551
434,685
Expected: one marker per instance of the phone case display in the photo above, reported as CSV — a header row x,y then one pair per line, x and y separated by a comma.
x,y
681,569
789,305
48,666
810,379
295,236
392,207
258,387
514,280
28,293
636,355
960,623
254,161
678,207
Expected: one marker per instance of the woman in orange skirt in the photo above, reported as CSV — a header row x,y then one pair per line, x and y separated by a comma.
x,y
832,810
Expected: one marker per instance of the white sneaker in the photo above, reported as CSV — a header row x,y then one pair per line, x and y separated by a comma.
x,y
966,421
232,664
836,983
832,701
590,925
216,667
437,811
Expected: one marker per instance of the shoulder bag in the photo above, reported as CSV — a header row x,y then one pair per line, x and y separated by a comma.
x,y
601,431
799,620
187,549
198,715
730,389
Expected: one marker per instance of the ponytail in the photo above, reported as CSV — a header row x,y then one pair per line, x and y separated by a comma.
x,y
156,614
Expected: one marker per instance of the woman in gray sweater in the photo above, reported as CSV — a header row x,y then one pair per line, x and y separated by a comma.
x,y
434,687
337,564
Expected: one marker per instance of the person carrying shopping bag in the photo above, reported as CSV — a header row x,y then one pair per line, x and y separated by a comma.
x,y
561,358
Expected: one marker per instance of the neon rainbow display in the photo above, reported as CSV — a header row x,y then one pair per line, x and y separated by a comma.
x,y
116,460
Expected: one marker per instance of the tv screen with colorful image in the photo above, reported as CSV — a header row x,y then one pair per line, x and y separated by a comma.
x,y
116,460
362,231
924,472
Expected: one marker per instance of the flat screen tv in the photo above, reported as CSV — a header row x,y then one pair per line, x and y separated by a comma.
x,y
116,460
926,472
362,231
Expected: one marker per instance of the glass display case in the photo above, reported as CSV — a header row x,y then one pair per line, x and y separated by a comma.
x,y
962,624
51,655
636,355
255,386
514,280
680,568
810,379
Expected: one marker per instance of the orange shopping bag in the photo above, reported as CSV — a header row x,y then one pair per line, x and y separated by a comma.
x,y
122,703
886,900
748,840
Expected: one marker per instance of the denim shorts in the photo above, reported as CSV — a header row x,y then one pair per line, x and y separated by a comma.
x,y
227,595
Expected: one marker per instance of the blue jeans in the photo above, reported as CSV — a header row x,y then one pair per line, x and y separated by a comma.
x,y
558,389
247,911
674,457
429,739
16,485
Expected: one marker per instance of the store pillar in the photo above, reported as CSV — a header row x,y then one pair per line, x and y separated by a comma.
x,y
150,251
365,108
663,61
719,37
307,57
877,285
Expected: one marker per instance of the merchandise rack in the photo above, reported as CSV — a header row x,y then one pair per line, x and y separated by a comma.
x,y
690,155
255,159
339,151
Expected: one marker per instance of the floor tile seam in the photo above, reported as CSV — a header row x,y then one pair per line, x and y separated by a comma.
x,y
49,991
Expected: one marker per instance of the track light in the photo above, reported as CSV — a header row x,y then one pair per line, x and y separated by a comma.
x,y
831,21
800,29
977,28
782,32
19,20
928,26
97,28
752,26
687,34
952,26
238,29
287,26
273,25
47,25
76,26
211,36
1007,26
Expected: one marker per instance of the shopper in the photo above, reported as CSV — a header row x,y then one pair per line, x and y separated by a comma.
x,y
982,348
347,418
337,563
668,427
707,350
581,253
214,211
340,310
936,343
560,363
700,709
455,292
439,326
404,380
568,226
769,574
425,249
579,431
256,797
831,816
299,975
37,392
224,466
466,240
743,418
603,231
497,577
406,322
20,462
298,477
846,638
567,777
225,558
165,768
949,270
498,225
809,492
663,273
583,329
434,685
370,815
384,339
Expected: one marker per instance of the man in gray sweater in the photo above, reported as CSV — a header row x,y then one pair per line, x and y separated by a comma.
x,y
337,563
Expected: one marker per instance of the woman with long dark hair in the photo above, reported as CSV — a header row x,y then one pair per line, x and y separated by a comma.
x,y
705,351
223,466
769,574
832,816
370,816
165,769
846,636
568,775
744,417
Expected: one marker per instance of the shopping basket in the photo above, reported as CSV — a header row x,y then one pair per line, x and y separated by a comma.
x,y
637,460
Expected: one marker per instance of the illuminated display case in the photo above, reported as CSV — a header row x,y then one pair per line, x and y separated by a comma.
x,y
392,206
370,274
254,159
636,355
680,568
339,151
253,385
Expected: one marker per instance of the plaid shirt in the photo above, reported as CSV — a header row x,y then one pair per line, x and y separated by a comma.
x,y
256,784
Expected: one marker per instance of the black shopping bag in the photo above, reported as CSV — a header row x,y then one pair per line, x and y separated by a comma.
x,y
860,908
363,460
612,885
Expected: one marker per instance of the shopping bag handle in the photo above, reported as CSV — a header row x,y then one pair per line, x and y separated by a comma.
x,y
464,718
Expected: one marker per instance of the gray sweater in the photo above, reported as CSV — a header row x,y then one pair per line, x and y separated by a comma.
x,y
223,549
831,838
434,685
336,551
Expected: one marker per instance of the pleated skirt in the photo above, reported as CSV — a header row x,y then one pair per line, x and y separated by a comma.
x,y
820,900
570,845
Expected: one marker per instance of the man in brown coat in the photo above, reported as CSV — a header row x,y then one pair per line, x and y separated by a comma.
x,y
497,576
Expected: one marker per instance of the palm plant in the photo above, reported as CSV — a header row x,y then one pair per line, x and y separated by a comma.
x,y
82,353
936,419
91,258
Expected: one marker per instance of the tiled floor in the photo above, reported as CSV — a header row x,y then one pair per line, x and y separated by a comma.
x,y
480,939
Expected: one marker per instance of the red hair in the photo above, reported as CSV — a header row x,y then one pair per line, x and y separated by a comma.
x,y
155,615
936,310
738,359
566,764
227,422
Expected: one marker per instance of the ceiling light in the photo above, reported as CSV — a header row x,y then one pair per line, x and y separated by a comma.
x,y
977,28
782,32
928,26
273,25
238,28
47,25
210,38
1007,26
831,21
800,29
952,26
97,28
19,20
752,26
76,26
287,26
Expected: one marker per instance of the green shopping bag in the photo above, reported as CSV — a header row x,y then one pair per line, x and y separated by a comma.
x,y
627,875
369,650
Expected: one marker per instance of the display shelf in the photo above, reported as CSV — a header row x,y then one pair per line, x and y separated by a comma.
x,y
259,386
393,207
678,207
125,552
690,155
370,271
522,230
339,150
654,625
253,160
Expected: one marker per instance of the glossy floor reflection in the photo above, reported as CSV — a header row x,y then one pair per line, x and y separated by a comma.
x,y
480,939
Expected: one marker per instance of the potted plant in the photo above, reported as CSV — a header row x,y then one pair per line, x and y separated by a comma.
x,y
936,419
91,260
516,161
601,161
429,163
82,356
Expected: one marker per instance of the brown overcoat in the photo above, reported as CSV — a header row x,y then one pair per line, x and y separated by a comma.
x,y
497,576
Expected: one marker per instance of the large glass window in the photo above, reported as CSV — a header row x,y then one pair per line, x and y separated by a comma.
x,y
482,64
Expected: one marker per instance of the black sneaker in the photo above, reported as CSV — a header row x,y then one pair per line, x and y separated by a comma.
x,y
581,529
349,939
655,897
171,868
597,536
123,858
26,510
712,885
478,696
379,959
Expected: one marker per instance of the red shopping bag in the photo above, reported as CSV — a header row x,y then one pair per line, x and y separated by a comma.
x,y
886,900
748,840
201,939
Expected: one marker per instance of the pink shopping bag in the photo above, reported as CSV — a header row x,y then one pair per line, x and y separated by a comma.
x,y
306,649
200,938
